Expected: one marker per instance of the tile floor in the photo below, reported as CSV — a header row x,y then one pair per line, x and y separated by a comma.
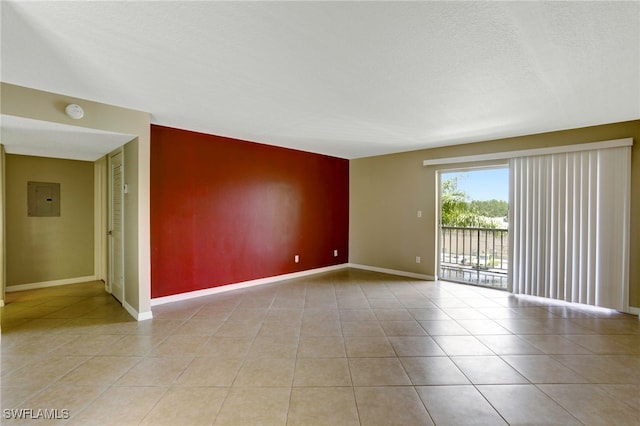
x,y
345,348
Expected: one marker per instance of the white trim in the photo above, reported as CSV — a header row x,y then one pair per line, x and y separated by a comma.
x,y
54,283
634,311
529,152
229,287
138,316
392,272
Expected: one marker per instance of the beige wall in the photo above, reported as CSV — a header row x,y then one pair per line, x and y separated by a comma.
x,y
43,249
3,248
386,192
39,105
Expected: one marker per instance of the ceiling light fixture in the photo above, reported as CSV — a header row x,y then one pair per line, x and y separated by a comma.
x,y
74,111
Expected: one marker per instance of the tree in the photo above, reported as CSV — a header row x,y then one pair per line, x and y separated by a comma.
x,y
491,208
456,210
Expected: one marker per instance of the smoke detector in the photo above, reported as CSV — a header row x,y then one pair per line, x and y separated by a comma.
x,y
74,111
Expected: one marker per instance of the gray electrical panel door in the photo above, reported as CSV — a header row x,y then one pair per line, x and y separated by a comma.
x,y
43,199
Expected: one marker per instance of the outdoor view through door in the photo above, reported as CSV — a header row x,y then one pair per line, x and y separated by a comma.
x,y
474,239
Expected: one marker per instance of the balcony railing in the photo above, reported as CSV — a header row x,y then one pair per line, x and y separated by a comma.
x,y
474,255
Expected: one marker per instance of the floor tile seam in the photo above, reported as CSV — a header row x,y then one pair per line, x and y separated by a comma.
x,y
353,390
556,402
84,406
154,404
528,381
489,402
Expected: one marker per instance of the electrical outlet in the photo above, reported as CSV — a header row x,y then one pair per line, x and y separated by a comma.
x,y
335,253
417,259
296,258
419,213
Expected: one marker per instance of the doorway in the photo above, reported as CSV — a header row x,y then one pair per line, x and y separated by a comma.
x,y
473,226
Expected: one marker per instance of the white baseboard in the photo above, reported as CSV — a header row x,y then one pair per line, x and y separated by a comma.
x,y
54,283
634,311
138,316
392,272
230,287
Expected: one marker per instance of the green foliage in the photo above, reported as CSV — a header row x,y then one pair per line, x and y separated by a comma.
x,y
456,210
491,208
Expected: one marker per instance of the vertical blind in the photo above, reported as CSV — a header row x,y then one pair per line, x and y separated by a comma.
x,y
570,226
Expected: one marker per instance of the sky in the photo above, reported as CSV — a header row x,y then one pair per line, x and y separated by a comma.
x,y
483,184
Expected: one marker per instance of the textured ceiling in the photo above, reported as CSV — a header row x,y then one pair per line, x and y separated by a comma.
x,y
349,79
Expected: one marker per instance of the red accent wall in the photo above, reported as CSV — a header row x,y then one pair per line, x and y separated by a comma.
x,y
225,210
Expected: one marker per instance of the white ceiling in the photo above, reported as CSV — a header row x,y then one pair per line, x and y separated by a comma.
x,y
349,79
45,139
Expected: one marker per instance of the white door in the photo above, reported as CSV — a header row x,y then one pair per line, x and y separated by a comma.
x,y
116,214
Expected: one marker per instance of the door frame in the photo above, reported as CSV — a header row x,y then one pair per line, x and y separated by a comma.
x,y
465,167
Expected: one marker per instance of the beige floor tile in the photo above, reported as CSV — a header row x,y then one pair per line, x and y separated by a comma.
x,y
252,406
458,405
429,314
479,327
629,393
368,347
154,371
315,335
462,345
317,328
323,406
65,397
610,344
398,405
13,397
311,315
199,327
100,371
238,328
209,371
274,347
609,369
465,313
362,328
365,314
226,347
402,328
555,344
433,371
87,345
187,406
444,328
393,314
488,370
508,344
119,406
321,347
526,404
133,345
43,371
280,328
377,372
415,346
36,345
260,372
543,369
592,405
388,302
180,345
311,372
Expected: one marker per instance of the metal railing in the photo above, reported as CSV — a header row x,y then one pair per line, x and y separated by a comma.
x,y
474,255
